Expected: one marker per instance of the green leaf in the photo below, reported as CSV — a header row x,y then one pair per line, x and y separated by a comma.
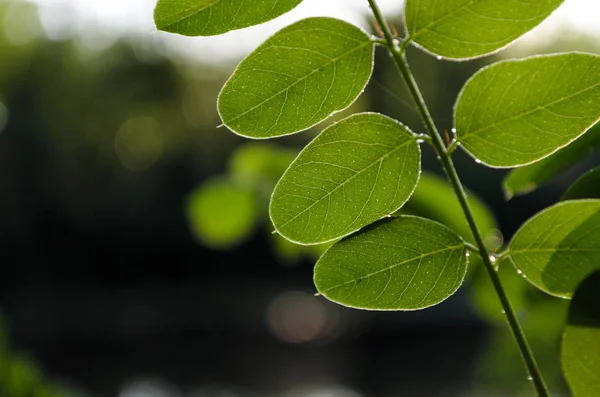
x,y
357,171
526,179
516,112
402,263
297,78
581,340
435,199
212,17
559,247
463,29
588,186
220,214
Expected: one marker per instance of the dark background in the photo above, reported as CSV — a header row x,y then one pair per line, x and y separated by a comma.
x,y
105,291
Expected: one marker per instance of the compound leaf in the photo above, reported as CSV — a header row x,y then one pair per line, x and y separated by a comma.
x,y
213,17
357,171
297,78
463,29
526,179
401,263
581,340
588,186
559,247
516,112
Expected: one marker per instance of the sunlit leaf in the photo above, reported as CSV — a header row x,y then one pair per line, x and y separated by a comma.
x,y
462,29
401,263
221,214
356,172
297,78
517,112
435,199
559,247
581,340
588,186
526,179
212,17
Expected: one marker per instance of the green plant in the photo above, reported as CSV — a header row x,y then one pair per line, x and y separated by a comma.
x,y
348,181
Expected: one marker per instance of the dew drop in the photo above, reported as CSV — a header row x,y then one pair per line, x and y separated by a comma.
x,y
478,161
529,378
439,57
454,130
519,271
420,141
493,259
524,276
503,312
467,254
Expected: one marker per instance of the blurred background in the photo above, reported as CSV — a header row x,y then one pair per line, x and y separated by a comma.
x,y
136,255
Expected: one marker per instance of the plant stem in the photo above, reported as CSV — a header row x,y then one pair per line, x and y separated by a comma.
x,y
446,160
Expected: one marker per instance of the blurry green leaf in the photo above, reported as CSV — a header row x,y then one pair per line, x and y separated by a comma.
x,y
525,179
354,173
258,163
581,340
297,78
291,253
483,295
435,199
516,112
462,29
402,263
212,17
588,186
221,214
559,247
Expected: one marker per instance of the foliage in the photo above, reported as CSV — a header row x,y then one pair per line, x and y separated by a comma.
x,y
357,172
580,347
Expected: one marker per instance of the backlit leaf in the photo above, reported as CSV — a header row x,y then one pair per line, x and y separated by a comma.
x,y
401,263
581,340
526,179
462,29
354,173
516,112
559,247
212,17
588,186
297,78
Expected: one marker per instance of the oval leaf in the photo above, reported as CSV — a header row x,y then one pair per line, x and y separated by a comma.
x,y
588,186
357,171
403,263
297,78
516,112
526,179
558,248
212,17
463,29
581,340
